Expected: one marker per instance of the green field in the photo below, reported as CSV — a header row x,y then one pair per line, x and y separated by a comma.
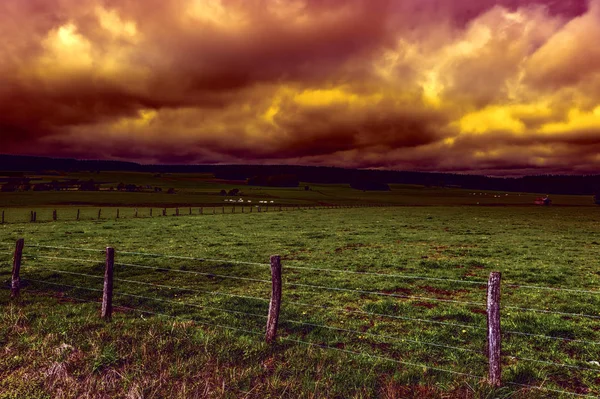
x,y
384,334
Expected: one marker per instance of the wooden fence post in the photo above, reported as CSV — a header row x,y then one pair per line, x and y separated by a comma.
x,y
259,209
31,217
214,210
117,213
15,285
99,213
494,343
2,217
34,216
108,284
54,215
190,211
233,210
223,210
136,212
176,211
201,211
78,211
164,211
275,303
150,212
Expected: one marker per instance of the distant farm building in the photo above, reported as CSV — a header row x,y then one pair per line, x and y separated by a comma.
x,y
543,201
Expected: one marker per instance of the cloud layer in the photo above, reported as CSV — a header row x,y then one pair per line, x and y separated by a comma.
x,y
499,87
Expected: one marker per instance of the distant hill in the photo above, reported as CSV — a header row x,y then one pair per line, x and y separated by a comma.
x,y
549,184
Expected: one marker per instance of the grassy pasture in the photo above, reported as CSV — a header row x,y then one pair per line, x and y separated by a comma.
x,y
56,347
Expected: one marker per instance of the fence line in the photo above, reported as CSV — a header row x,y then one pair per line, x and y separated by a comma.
x,y
406,276
384,294
108,277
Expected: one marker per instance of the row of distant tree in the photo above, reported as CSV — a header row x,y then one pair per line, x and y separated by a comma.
x,y
272,175
25,184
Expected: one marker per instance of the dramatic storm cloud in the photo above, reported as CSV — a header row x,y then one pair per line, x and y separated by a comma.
x,y
502,87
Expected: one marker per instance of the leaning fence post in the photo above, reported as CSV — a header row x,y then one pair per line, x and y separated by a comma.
x,y
108,284
15,285
275,303
494,343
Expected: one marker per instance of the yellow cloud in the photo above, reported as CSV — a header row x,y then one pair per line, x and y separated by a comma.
x,y
65,50
577,121
490,119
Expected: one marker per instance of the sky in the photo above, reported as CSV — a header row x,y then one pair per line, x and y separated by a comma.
x,y
497,87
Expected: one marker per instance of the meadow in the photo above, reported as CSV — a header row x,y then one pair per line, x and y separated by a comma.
x,y
407,321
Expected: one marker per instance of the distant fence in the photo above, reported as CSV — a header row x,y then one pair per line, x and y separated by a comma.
x,y
492,349
20,215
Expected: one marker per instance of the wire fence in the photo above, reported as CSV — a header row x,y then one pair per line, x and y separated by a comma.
x,y
230,206
379,329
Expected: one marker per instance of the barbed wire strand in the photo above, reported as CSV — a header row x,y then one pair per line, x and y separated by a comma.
x,y
192,305
69,248
551,312
381,358
380,336
384,294
61,258
572,366
552,390
550,337
174,317
64,285
173,287
537,287
192,258
405,276
165,286
342,310
206,274
189,272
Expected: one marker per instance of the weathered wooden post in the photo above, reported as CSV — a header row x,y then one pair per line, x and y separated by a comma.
x,y
136,213
35,216
117,213
176,211
78,212
107,294
150,212
259,209
2,217
164,211
190,210
494,343
15,285
54,215
31,217
275,303
233,210
99,213
201,211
